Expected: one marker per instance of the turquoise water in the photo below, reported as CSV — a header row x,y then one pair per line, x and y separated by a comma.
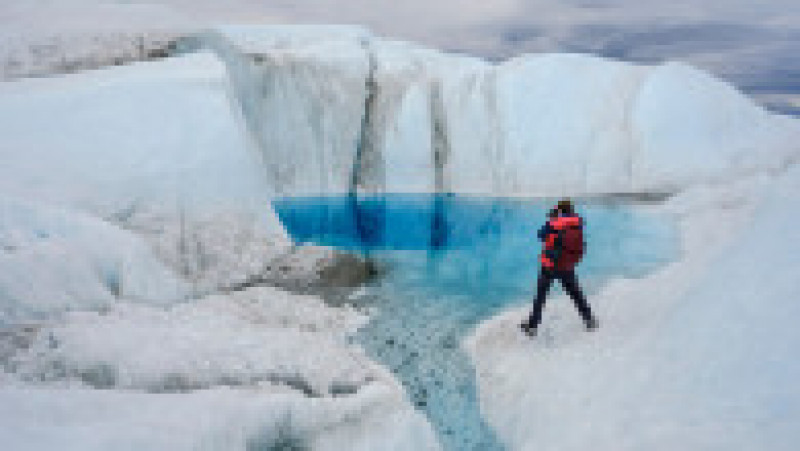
x,y
452,262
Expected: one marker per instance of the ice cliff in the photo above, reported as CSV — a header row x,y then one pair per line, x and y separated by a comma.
x,y
334,109
127,183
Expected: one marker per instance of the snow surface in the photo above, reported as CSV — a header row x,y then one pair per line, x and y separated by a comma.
x,y
215,419
53,259
240,339
334,109
258,368
43,38
700,355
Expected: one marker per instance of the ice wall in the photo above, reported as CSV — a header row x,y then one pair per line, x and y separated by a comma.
x,y
334,109
134,183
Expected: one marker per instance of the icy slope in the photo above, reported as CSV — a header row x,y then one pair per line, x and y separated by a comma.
x,y
701,355
157,132
334,109
151,154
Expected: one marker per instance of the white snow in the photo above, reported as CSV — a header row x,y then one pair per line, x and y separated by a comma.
x,y
43,38
222,418
160,132
226,372
151,148
258,336
701,355
53,259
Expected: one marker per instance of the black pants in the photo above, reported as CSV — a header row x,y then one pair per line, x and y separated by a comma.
x,y
570,284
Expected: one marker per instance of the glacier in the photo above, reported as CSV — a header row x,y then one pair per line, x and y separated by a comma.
x,y
335,110
136,211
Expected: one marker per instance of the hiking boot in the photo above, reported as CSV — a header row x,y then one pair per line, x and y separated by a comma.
x,y
592,324
527,329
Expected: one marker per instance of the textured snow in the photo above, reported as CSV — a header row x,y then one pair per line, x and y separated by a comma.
x,y
700,355
152,149
42,38
52,259
253,369
259,336
221,418
333,109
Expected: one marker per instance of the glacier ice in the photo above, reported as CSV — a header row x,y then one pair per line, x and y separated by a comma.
x,y
52,259
98,169
333,110
140,160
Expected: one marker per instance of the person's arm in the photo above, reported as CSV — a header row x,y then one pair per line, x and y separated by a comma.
x,y
544,231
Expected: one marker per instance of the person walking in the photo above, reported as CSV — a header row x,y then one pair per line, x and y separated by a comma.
x,y
563,248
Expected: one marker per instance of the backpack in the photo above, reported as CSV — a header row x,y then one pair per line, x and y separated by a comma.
x,y
572,246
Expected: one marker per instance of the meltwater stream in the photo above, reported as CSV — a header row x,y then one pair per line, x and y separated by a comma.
x,y
451,262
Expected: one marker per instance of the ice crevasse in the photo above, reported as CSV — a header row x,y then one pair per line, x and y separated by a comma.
x,y
334,109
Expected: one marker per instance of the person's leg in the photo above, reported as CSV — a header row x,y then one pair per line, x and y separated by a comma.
x,y
570,283
542,287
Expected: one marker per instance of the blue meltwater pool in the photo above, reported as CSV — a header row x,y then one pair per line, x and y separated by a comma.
x,y
453,261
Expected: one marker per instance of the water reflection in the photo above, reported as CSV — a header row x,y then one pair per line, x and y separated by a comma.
x,y
487,245
369,220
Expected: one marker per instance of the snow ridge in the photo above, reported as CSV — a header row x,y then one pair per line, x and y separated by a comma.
x,y
67,53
